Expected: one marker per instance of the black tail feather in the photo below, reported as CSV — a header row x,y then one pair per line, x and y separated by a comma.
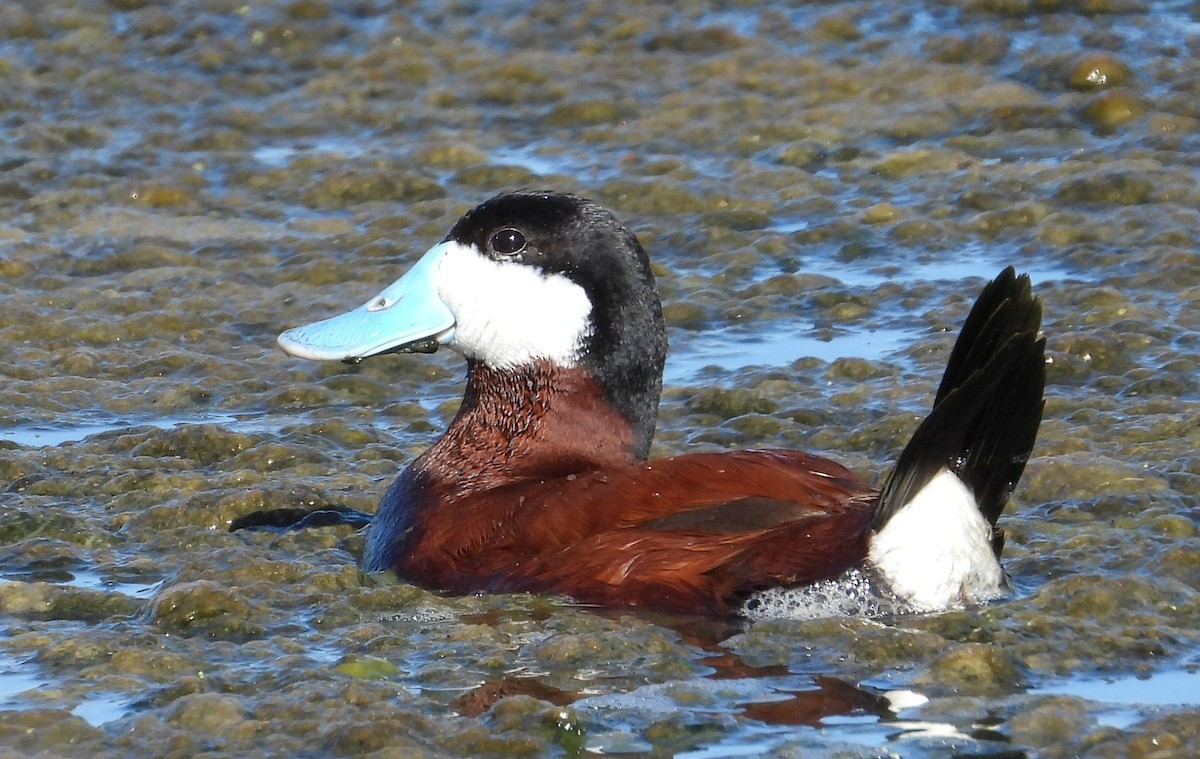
x,y
988,408
1005,308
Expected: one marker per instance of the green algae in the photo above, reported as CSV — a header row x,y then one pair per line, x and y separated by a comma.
x,y
183,181
1098,71
972,669
18,525
730,403
369,667
37,730
206,608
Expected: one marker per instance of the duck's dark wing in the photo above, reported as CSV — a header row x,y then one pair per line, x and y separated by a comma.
x,y
696,572
689,533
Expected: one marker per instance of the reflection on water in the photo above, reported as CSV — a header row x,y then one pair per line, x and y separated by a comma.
x,y
15,678
85,578
1173,687
733,349
978,264
102,709
738,347
538,161
92,580
1176,687
863,716
168,212
280,154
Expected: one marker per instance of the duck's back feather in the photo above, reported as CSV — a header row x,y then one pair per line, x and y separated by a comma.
x,y
692,533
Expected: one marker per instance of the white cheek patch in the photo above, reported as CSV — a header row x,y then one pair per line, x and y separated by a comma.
x,y
507,314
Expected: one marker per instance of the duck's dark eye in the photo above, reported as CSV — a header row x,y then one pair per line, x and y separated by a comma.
x,y
508,242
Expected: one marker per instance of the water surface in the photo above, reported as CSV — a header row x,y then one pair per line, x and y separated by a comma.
x,y
823,188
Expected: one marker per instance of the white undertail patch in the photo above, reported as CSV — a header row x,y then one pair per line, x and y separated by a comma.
x,y
936,552
508,313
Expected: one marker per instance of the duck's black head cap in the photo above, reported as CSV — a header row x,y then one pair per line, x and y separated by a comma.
x,y
569,235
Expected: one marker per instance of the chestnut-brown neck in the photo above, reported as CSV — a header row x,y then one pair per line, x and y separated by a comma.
x,y
532,422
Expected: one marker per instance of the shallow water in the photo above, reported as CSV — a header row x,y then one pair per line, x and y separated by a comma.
x,y
823,188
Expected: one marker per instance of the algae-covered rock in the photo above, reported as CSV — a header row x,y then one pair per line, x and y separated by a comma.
x,y
1085,476
730,403
182,181
1109,187
753,429
154,664
490,177
708,40
972,669
583,113
655,196
90,605
1113,109
1054,721
987,47
1166,735
26,597
686,315
207,608
19,524
1103,352
202,443
30,732
216,714
353,187
1097,71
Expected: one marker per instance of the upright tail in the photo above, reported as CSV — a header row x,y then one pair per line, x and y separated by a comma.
x,y
933,529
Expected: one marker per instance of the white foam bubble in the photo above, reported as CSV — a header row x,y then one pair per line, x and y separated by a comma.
x,y
423,615
853,593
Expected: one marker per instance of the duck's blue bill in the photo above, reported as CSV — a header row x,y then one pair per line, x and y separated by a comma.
x,y
408,316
